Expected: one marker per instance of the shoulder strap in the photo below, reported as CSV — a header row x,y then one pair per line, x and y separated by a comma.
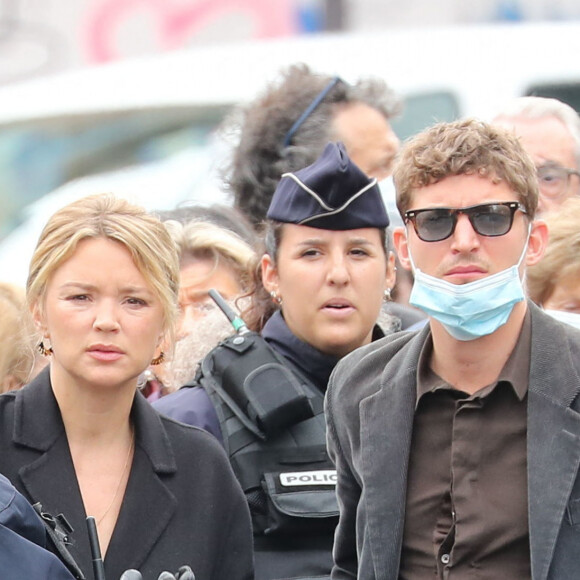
x,y
59,530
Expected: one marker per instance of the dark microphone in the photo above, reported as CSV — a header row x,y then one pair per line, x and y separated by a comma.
x,y
98,566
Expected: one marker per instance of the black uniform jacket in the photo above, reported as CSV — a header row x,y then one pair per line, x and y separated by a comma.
x,y
182,505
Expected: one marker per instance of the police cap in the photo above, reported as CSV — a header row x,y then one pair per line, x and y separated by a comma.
x,y
331,194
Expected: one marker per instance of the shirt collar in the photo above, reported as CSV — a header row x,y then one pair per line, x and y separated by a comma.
x,y
516,370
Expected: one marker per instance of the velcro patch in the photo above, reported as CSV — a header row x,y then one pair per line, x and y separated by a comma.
x,y
297,478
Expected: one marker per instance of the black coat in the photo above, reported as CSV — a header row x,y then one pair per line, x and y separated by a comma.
x,y
182,505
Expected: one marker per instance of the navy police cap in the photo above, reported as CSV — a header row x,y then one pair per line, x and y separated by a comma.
x,y
331,194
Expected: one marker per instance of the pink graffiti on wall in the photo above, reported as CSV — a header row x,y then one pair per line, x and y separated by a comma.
x,y
176,23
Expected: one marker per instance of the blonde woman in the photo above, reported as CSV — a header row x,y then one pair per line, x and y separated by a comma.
x,y
554,282
18,359
79,439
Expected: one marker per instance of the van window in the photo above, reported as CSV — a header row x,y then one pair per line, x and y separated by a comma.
x,y
567,92
38,157
423,110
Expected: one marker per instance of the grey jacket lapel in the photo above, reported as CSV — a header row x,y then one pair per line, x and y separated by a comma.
x,y
553,435
553,444
386,428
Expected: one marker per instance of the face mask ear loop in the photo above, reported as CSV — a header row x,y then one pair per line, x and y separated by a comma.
x,y
525,250
413,267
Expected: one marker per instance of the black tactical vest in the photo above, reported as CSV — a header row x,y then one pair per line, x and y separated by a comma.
x,y
273,428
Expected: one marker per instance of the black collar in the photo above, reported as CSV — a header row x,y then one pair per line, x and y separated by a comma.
x,y
38,423
313,364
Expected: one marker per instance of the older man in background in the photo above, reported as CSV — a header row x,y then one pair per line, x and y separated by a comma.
x,y
549,130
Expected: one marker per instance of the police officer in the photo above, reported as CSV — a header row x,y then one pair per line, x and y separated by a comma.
x,y
23,540
324,276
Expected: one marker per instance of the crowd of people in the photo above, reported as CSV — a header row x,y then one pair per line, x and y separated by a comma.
x,y
291,388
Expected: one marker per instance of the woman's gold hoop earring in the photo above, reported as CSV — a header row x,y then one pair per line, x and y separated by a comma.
x,y
158,359
43,350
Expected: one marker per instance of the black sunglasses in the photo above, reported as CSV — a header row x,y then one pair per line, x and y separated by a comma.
x,y
488,219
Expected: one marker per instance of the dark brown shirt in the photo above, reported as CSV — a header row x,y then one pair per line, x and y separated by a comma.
x,y
466,514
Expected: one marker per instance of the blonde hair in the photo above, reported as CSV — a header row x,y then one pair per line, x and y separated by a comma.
x,y
467,147
562,256
17,356
113,218
206,241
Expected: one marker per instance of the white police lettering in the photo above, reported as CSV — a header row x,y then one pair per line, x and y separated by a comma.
x,y
323,477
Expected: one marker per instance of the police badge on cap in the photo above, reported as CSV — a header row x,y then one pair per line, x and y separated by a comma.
x,y
331,194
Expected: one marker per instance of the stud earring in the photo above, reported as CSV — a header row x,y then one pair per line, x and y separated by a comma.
x,y
158,359
387,294
277,299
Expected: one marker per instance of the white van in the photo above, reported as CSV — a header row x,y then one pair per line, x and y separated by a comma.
x,y
146,128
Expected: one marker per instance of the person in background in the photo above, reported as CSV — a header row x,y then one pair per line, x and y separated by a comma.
x,y
19,361
288,126
324,276
81,440
554,282
549,130
221,215
286,129
456,446
210,256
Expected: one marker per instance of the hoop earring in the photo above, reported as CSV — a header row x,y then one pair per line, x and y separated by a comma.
x,y
158,359
44,351
275,298
387,295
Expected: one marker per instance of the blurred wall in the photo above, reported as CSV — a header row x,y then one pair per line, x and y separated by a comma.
x,y
45,36
373,14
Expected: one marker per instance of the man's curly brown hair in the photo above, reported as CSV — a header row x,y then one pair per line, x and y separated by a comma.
x,y
466,147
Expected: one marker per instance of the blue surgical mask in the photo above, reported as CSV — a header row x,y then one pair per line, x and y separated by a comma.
x,y
571,318
472,310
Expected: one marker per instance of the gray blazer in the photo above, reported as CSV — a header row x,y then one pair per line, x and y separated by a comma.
x,y
369,408
183,504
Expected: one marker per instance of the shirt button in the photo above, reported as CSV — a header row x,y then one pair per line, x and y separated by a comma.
x,y
445,558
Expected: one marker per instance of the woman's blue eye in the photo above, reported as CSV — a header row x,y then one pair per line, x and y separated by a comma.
x,y
137,301
79,297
